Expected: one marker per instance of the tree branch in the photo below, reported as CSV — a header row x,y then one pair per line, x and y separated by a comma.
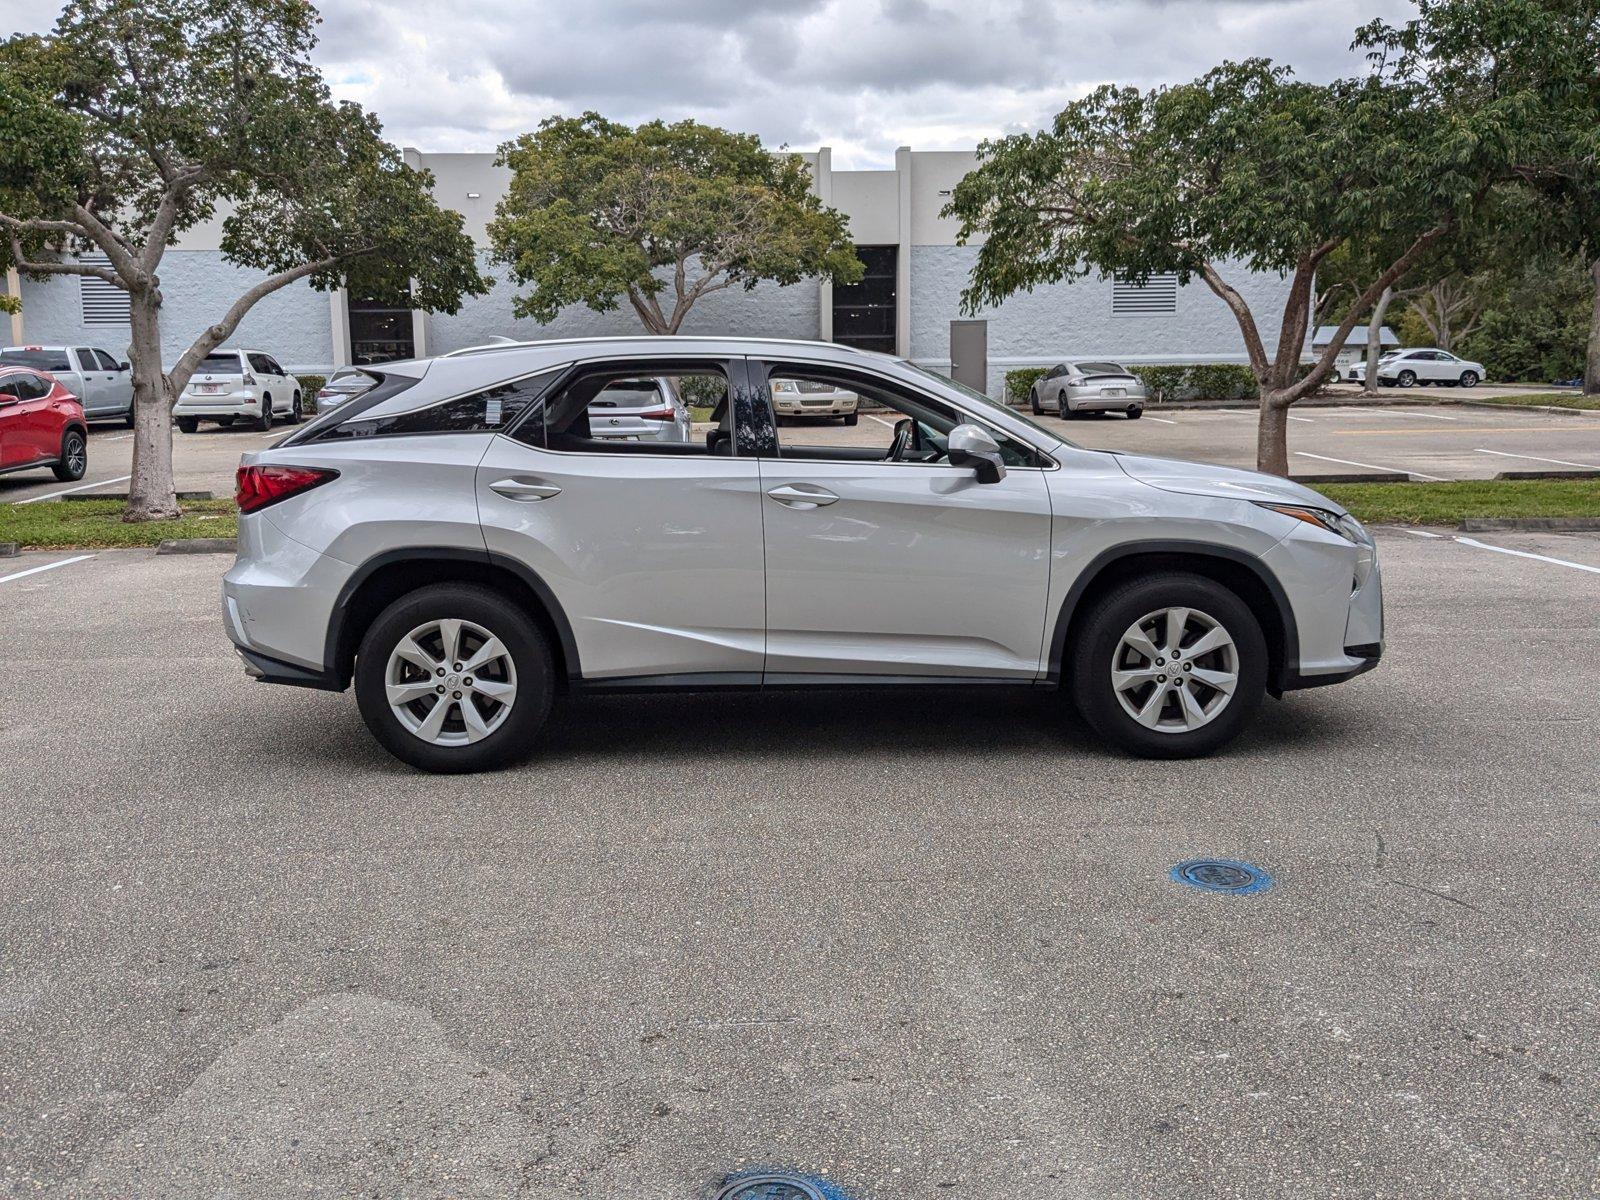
x,y
1241,312
14,229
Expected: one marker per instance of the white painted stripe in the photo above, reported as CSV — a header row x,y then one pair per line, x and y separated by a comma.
x,y
1389,412
1163,420
1561,462
121,437
1422,533
83,487
1345,462
880,420
1307,420
47,567
1560,562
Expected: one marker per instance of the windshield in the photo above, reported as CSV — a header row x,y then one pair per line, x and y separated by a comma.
x,y
993,405
41,360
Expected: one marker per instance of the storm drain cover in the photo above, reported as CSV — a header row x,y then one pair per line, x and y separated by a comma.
x,y
1222,875
770,1187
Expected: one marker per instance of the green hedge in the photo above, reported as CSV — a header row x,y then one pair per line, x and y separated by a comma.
x,y
310,385
1020,381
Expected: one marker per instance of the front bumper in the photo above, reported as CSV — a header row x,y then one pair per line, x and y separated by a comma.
x,y
1335,591
799,408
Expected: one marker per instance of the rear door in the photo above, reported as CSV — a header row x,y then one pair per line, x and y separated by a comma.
x,y
35,426
652,549
85,382
13,450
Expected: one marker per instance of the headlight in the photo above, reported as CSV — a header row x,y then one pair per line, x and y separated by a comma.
x,y
1344,525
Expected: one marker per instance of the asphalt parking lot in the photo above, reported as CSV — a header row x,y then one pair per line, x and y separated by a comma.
x,y
922,946
1426,441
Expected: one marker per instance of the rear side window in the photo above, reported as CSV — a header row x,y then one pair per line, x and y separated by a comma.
x,y
219,364
39,360
490,411
30,387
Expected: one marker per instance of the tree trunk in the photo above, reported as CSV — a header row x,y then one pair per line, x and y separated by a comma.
x,y
1369,384
1591,366
151,493
1272,435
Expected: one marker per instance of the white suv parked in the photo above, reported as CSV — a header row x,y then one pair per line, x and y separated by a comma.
x,y
234,385
458,543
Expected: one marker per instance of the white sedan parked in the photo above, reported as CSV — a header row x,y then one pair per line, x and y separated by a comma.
x,y
1407,368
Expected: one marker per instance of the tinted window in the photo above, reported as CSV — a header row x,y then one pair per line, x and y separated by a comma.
x,y
31,387
226,363
107,363
261,364
86,359
1101,368
42,360
491,410
8,388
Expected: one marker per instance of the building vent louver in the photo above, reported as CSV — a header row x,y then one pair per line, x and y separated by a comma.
x,y
103,303
1156,296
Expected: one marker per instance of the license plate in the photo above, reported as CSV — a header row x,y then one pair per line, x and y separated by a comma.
x,y
209,389
1113,391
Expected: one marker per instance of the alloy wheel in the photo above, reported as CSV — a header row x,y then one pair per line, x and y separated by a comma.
x,y
450,682
77,455
1175,670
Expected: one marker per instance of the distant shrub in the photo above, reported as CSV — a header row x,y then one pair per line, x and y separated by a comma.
x,y
1197,381
1020,382
310,385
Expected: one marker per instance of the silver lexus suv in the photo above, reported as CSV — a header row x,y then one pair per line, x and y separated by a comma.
x,y
458,543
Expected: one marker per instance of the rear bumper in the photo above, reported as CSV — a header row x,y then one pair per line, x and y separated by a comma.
x,y
271,670
1105,403
231,405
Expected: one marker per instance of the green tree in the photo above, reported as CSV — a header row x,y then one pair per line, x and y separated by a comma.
x,y
133,121
662,215
1244,168
1536,65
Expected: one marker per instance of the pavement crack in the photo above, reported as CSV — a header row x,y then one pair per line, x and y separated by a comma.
x,y
1417,887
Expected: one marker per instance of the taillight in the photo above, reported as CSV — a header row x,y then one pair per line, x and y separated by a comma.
x,y
660,414
264,485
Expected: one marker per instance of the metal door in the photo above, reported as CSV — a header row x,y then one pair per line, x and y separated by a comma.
x,y
969,354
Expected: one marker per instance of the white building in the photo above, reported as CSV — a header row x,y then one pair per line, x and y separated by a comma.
x,y
906,304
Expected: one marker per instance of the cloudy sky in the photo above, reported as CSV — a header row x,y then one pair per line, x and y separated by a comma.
x,y
862,76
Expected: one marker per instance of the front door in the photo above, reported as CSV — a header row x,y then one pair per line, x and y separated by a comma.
x,y
969,354
883,559
652,546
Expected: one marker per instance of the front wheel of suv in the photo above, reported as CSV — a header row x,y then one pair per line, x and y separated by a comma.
x,y
452,678
1169,667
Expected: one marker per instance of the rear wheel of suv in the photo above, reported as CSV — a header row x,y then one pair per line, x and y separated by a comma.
x,y
453,678
188,424
1406,379
294,411
74,459
264,421
1169,667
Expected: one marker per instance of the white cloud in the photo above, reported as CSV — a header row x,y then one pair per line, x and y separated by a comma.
x,y
863,76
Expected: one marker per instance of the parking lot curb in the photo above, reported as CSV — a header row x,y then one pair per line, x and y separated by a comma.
x,y
8,549
1530,524
1548,475
199,546
124,496
1362,477
1485,406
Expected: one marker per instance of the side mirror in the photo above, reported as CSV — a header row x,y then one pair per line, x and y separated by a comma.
x,y
122,366
972,446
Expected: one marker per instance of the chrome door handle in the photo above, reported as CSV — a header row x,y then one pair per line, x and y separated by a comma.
x,y
517,489
802,495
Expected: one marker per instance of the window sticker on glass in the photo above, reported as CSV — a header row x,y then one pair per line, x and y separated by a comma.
x,y
491,411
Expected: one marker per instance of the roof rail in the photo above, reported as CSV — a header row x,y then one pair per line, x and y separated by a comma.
x,y
507,344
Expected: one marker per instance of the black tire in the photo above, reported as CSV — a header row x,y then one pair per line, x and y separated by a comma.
x,y
1469,379
1098,635
514,739
264,421
74,460
188,424
1406,379
1033,402
1063,410
1135,413
128,419
226,422
853,419
294,411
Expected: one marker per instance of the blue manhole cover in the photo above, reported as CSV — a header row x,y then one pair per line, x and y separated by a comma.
x,y
1222,875
775,1186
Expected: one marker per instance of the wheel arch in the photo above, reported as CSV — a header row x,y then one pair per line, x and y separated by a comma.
x,y
1241,572
386,577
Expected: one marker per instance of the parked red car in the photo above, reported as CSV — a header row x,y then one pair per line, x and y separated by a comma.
x,y
41,425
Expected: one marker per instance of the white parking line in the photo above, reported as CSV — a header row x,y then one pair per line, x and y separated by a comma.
x,y
121,437
47,567
880,420
1375,410
1560,562
1163,420
83,487
1345,462
1535,458
1306,420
